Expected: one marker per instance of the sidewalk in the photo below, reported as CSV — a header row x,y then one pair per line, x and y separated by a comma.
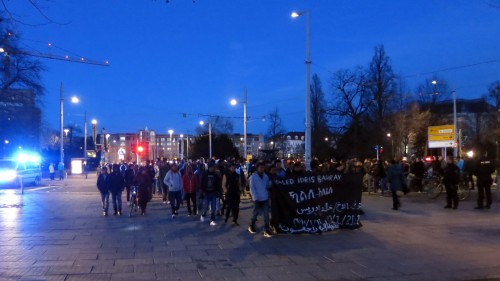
x,y
61,236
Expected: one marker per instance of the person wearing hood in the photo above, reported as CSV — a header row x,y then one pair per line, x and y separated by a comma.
x,y
189,186
116,186
211,189
173,180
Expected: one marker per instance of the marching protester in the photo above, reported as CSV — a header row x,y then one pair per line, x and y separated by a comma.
x,y
259,189
189,186
232,185
211,190
129,179
116,186
483,172
103,187
451,178
417,169
143,181
173,180
395,179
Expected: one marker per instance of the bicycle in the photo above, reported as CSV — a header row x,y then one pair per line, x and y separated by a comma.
x,y
435,187
133,200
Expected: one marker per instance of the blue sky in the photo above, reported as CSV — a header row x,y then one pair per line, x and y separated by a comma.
x,y
185,57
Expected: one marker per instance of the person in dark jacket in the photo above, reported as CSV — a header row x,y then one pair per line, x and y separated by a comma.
x,y
103,187
451,178
378,173
116,186
143,181
211,189
129,179
395,179
484,168
417,168
468,170
232,194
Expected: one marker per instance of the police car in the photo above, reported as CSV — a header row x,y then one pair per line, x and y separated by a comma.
x,y
23,168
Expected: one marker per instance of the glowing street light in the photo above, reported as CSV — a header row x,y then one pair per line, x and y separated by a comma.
x,y
209,136
235,102
307,155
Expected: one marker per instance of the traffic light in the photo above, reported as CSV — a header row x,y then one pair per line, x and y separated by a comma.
x,y
140,149
381,149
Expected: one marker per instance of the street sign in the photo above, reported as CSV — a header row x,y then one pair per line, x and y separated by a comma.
x,y
441,144
441,136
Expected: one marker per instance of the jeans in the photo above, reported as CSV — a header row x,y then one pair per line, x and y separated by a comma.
x,y
395,200
232,205
451,195
261,207
105,201
191,198
210,199
116,198
484,190
175,200
165,192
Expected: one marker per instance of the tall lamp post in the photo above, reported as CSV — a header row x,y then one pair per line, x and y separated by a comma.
x,y
234,102
61,116
170,143
455,144
209,136
307,155
392,145
182,146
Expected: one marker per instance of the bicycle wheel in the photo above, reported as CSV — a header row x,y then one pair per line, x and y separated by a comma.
x,y
434,190
463,191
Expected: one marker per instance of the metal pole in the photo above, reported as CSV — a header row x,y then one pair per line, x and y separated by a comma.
x,y
245,127
61,136
308,95
85,137
182,147
455,148
187,146
210,138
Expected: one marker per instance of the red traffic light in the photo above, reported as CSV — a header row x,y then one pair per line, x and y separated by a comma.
x,y
140,149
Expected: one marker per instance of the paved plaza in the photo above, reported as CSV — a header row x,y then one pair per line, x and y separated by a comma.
x,y
57,233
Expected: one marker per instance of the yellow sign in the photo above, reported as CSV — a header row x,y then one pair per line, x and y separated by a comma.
x,y
441,130
440,137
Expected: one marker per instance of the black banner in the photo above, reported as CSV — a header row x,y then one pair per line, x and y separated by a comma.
x,y
316,203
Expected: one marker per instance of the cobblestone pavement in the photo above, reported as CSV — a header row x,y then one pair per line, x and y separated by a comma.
x,y
58,233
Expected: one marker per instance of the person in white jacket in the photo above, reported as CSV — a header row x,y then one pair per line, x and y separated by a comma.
x,y
173,180
259,189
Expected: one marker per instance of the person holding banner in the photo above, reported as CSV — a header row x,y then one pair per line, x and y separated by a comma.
x,y
259,189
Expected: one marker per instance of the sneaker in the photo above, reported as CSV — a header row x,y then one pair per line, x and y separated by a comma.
x,y
447,207
168,202
119,213
267,234
189,215
212,223
235,223
104,214
164,202
115,213
174,215
202,218
251,229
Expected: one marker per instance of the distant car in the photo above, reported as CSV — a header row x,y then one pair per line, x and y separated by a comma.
x,y
12,171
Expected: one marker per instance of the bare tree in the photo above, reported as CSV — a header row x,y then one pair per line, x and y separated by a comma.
x,y
319,128
429,93
494,94
350,97
275,131
36,9
220,126
18,70
382,83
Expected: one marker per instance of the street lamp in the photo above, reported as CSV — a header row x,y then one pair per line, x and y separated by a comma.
x,y
307,155
234,102
170,142
455,144
182,146
392,145
209,136
61,116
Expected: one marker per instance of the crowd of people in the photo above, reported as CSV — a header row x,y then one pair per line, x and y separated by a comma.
x,y
213,189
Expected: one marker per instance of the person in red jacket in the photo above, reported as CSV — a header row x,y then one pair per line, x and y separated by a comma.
x,y
189,185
